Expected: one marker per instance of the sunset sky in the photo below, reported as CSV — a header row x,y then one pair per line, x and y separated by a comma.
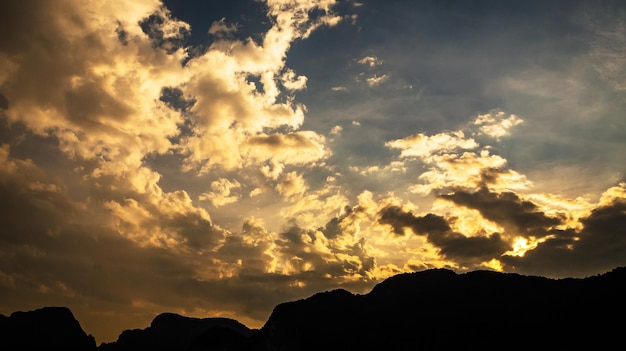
x,y
216,158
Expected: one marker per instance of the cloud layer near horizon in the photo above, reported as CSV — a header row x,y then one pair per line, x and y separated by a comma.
x,y
139,174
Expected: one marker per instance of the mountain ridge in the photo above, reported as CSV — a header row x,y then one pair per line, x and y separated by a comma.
x,y
430,309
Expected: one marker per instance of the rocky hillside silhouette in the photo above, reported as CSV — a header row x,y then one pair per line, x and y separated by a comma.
x,y
435,309
442,310
48,328
169,331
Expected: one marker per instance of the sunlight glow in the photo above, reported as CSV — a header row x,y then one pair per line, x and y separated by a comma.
x,y
494,264
522,245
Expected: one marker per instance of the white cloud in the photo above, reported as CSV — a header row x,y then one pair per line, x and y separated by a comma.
x,y
424,146
222,192
336,130
370,61
470,171
293,82
376,80
453,160
496,125
230,113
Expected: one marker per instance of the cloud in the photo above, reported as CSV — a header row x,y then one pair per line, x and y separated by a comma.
x,y
529,240
113,88
336,131
27,191
308,207
221,194
376,80
294,148
327,252
496,125
164,31
400,220
297,15
511,231
169,221
517,216
370,61
85,90
469,170
423,146
105,100
372,79
607,53
169,249
231,112
455,246
479,218
292,184
292,82
596,246
454,160
111,112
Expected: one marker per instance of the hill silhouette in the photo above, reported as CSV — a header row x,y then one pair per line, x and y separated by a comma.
x,y
435,309
169,331
48,328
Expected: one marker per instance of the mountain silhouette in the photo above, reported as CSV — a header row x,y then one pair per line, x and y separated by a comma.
x,y
169,331
48,328
441,310
435,309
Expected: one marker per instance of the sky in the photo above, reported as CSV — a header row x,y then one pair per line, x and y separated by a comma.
x,y
217,158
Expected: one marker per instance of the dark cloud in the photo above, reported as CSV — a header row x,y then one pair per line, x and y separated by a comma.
x,y
18,22
251,250
491,175
399,219
4,103
31,213
336,260
599,246
470,250
89,102
47,258
455,246
333,229
196,231
298,245
52,260
516,215
276,141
